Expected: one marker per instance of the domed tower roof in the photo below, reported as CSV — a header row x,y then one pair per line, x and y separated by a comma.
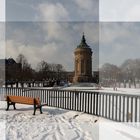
x,y
83,43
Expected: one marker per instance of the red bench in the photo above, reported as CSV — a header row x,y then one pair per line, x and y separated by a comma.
x,y
12,100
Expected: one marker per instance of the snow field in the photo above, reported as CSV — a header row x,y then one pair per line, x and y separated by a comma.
x,y
53,124
59,124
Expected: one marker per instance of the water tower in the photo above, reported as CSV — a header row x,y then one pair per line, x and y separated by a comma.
x,y
83,62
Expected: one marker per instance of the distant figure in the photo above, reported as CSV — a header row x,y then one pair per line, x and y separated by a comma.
x,y
99,86
115,86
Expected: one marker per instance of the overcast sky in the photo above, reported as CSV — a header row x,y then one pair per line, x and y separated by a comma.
x,y
52,10
119,10
51,30
2,40
70,10
53,42
119,41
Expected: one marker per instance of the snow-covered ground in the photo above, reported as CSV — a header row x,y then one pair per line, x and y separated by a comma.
x,y
134,91
59,124
53,124
93,87
107,90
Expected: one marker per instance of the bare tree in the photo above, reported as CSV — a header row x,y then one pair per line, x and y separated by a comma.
x,y
43,69
109,73
131,69
50,71
26,72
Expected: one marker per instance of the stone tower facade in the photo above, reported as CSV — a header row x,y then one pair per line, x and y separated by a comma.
x,y
83,62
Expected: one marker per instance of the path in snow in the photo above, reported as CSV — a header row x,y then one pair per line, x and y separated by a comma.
x,y
53,124
59,124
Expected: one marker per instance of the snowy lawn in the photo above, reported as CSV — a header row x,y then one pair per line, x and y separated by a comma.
x,y
59,124
107,90
53,124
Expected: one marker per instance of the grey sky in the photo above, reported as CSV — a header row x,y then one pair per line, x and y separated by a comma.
x,y
119,10
70,10
2,10
2,40
53,42
119,41
43,28
52,10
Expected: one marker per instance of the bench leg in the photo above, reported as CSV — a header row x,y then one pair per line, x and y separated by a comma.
x,y
7,106
14,106
37,107
40,109
34,109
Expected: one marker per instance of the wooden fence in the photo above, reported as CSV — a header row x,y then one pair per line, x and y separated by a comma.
x,y
117,107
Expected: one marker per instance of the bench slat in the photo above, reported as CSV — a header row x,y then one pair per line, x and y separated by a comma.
x,y
24,100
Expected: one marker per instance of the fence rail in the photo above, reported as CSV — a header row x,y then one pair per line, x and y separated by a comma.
x,y
117,107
